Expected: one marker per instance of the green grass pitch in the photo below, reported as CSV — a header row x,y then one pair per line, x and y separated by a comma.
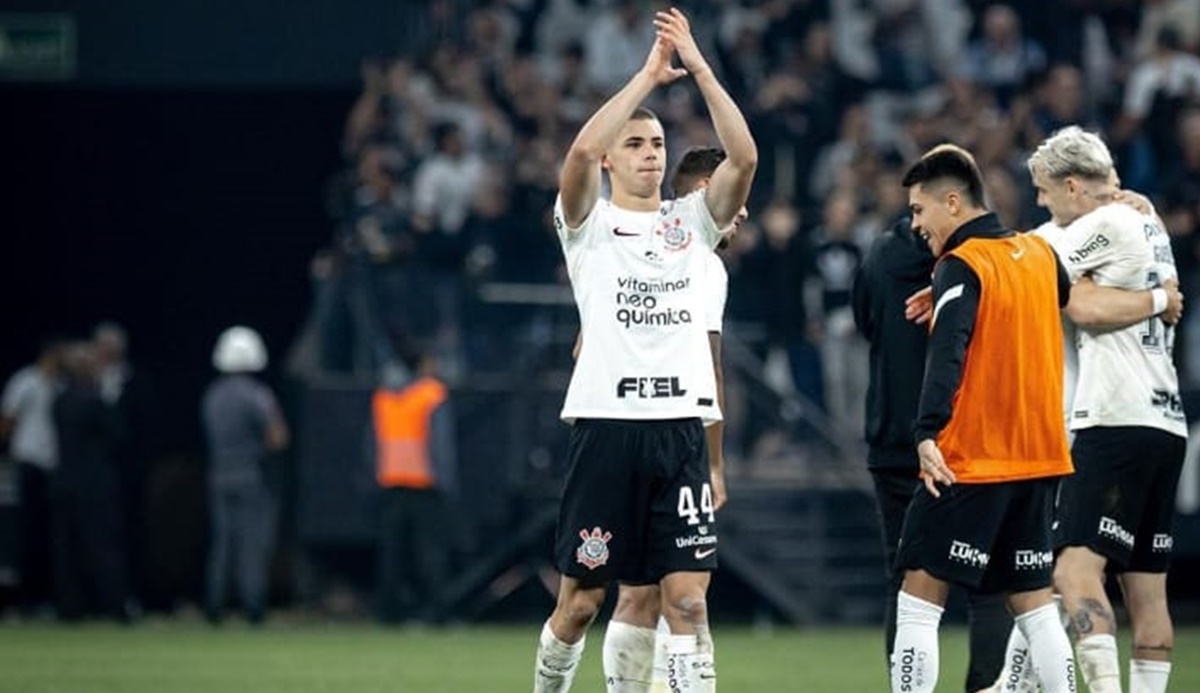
x,y
173,657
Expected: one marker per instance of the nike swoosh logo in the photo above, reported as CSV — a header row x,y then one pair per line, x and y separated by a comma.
x,y
618,232
1017,254
702,554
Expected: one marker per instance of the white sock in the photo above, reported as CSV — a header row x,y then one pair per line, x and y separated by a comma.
x,y
689,670
915,652
1098,663
628,657
1049,649
556,663
658,678
1063,617
1017,676
1148,676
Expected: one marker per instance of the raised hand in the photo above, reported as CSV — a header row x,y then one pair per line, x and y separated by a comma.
x,y
673,27
658,64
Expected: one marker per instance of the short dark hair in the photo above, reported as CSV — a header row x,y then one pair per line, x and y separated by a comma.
x,y
695,165
948,164
643,113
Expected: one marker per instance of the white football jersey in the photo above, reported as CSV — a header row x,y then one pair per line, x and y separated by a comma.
x,y
640,284
717,287
1126,376
1049,231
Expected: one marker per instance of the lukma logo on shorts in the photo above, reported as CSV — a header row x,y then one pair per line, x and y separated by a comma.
x,y
1026,559
965,553
593,552
1113,530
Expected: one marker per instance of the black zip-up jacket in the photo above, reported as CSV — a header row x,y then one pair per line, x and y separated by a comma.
x,y
897,265
955,324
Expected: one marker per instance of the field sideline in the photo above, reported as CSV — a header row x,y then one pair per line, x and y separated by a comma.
x,y
171,657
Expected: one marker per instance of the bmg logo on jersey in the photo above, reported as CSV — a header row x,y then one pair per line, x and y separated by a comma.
x,y
1097,241
650,387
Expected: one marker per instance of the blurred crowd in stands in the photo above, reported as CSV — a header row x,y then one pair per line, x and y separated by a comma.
x,y
441,213
451,153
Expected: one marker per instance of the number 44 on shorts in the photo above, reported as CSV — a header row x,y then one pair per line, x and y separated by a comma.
x,y
687,504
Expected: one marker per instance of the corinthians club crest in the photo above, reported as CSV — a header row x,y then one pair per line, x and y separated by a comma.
x,y
593,552
674,236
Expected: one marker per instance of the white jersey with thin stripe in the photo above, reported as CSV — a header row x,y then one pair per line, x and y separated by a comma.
x,y
1126,376
640,284
717,287
1049,231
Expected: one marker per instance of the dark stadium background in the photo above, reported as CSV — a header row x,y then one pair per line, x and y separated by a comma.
x,y
176,184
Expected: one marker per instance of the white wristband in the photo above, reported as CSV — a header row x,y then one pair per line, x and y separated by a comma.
x,y
1159,297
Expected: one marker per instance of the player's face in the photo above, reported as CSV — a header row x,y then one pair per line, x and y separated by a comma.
x,y
636,163
1059,197
934,214
1070,198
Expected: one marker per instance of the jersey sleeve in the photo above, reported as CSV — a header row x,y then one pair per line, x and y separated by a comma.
x,y
1096,239
709,231
716,286
567,234
1048,231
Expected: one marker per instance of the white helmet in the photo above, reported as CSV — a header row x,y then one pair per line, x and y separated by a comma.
x,y
239,350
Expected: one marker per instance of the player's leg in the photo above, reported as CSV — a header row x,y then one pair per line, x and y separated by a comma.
x,y
1144,582
893,492
1094,504
1016,674
684,552
943,539
1153,634
915,653
689,647
595,539
629,639
563,636
1023,563
1049,648
658,671
989,625
1079,578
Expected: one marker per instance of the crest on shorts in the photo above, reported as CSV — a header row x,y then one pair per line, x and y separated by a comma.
x,y
593,552
674,235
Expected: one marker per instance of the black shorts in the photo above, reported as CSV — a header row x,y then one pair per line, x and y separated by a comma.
x,y
988,537
637,503
1120,502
